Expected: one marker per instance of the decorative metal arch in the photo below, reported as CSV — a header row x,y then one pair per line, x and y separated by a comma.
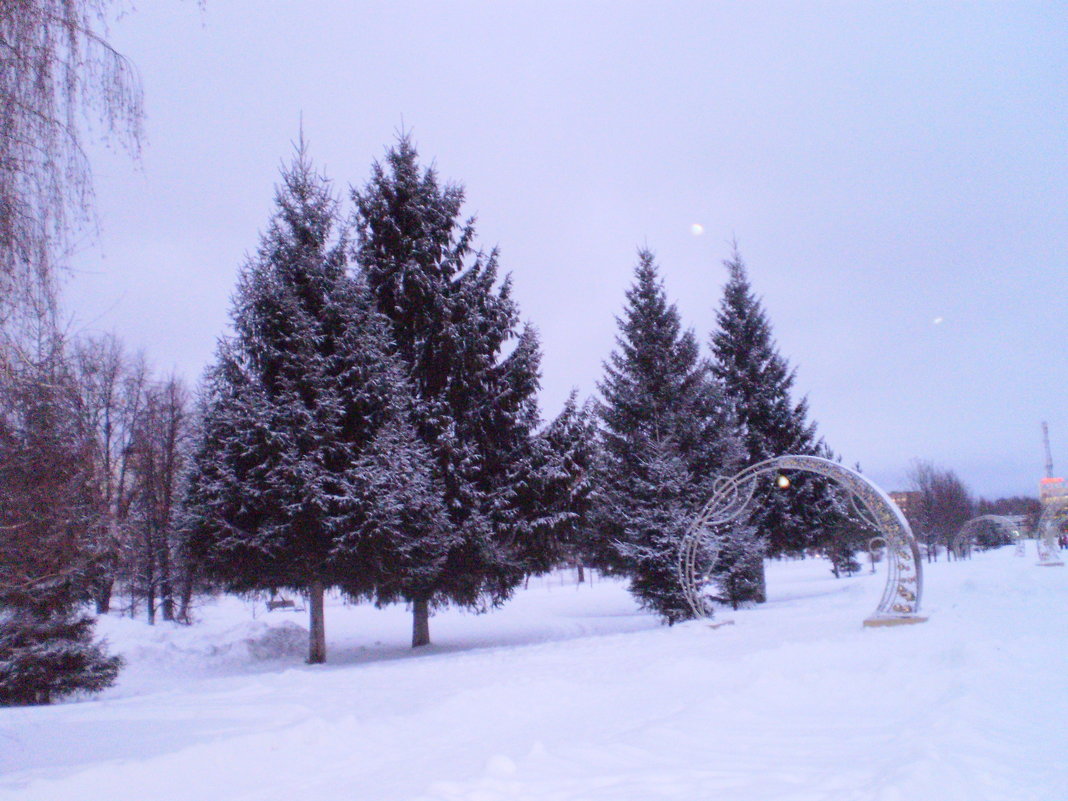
x,y
966,536
731,497
1049,550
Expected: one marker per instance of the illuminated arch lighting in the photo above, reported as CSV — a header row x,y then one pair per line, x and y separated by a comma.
x,y
965,538
731,497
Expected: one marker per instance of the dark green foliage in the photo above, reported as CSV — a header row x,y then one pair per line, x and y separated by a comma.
x,y
844,531
474,405
739,565
844,537
989,534
46,646
759,382
296,396
559,491
403,536
843,559
659,515
666,433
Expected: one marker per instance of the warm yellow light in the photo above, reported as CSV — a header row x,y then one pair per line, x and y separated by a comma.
x,y
783,482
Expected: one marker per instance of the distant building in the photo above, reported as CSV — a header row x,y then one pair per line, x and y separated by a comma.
x,y
908,502
1052,489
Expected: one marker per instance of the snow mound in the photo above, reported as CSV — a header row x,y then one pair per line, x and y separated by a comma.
x,y
210,646
249,641
280,641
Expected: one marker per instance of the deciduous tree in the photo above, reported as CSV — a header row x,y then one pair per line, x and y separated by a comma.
x,y
58,75
48,508
943,505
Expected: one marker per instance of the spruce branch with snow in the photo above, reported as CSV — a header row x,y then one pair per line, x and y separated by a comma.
x,y
759,382
667,430
297,395
453,322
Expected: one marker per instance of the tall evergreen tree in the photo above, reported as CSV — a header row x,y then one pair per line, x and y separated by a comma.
x,y
759,381
667,431
298,392
475,404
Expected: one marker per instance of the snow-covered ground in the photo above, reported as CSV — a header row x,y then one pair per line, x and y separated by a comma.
x,y
570,693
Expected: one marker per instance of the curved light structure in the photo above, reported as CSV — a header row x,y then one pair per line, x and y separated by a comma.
x,y
731,497
1049,550
965,538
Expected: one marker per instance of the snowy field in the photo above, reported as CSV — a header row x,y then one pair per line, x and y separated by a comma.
x,y
570,693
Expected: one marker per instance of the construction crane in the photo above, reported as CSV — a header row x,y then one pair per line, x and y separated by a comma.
x,y
1050,489
1049,454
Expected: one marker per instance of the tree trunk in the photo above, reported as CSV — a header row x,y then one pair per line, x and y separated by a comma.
x,y
317,634
166,587
581,573
150,588
760,595
103,596
166,601
420,622
188,578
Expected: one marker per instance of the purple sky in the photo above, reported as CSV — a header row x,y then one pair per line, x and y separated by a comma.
x,y
895,174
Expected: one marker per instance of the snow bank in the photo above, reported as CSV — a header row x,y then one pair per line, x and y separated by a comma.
x,y
227,639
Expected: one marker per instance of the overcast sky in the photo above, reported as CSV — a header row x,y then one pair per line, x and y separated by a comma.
x,y
894,173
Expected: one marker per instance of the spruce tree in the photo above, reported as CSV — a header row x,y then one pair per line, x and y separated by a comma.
x,y
48,508
759,382
843,539
474,404
667,432
658,509
299,391
403,536
559,490
738,569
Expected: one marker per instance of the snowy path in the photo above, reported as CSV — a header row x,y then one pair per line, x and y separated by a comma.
x,y
796,702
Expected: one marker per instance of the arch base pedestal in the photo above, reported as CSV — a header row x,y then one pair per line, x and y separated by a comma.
x,y
875,622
